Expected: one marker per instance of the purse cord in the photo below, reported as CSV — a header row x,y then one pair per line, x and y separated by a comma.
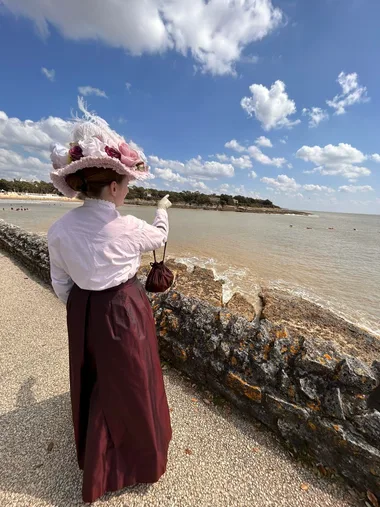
x,y
154,254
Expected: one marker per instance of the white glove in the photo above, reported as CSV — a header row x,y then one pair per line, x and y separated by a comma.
x,y
164,203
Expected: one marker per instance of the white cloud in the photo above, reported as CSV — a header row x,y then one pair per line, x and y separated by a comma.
x,y
128,86
29,134
340,160
241,190
169,175
90,90
264,141
252,175
196,167
331,155
259,156
316,116
200,186
234,145
282,183
318,188
223,189
284,140
14,165
376,157
214,32
353,189
351,94
255,153
243,162
271,107
49,74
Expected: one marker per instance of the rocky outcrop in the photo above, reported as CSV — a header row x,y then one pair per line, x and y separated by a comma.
x,y
240,306
283,368
302,316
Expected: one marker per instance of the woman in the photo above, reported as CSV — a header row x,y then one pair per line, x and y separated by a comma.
x,y
120,412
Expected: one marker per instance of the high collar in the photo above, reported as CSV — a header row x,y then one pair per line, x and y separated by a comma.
x,y
90,202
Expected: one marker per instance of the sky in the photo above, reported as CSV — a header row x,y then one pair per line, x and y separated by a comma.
x,y
274,99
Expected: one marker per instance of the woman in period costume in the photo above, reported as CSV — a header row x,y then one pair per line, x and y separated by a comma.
x,y
120,411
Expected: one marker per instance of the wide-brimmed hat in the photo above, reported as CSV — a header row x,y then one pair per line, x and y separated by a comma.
x,y
95,144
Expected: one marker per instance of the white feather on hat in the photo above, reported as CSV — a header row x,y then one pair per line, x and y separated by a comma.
x,y
95,144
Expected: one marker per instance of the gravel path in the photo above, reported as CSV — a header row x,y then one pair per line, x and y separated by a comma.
x,y
217,457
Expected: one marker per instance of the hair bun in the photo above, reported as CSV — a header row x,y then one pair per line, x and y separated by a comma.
x,y
76,181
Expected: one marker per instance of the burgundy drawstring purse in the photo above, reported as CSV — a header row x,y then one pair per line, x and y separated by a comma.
x,y
160,278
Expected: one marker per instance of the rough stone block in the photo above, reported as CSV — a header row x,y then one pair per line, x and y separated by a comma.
x,y
200,283
224,350
309,387
356,375
264,372
376,370
287,387
337,448
369,426
285,351
179,352
318,356
332,404
354,404
374,399
240,386
282,408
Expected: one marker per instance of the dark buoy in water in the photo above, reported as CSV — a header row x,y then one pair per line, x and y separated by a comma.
x,y
308,227
290,225
355,229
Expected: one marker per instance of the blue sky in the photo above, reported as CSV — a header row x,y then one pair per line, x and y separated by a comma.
x,y
275,99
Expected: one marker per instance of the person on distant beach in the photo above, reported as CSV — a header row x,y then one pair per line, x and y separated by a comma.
x,y
120,411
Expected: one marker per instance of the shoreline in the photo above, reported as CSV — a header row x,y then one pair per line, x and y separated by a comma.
x,y
235,209
36,197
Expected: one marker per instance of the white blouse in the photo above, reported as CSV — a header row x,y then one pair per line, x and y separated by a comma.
x,y
96,248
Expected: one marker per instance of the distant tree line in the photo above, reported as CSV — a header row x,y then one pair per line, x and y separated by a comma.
x,y
29,187
197,198
147,194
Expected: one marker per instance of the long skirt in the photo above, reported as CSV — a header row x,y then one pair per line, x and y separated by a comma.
x,y
120,411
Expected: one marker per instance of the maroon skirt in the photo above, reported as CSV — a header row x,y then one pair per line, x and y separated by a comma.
x,y
120,411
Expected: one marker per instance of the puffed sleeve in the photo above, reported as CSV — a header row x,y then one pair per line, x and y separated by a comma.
x,y
61,281
154,236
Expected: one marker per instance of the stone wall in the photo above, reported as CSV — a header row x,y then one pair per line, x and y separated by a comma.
x,y
324,403
30,249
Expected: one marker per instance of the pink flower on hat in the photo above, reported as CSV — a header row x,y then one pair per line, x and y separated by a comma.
x,y
111,152
129,157
75,153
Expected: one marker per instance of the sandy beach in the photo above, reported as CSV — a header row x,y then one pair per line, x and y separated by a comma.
x,y
35,197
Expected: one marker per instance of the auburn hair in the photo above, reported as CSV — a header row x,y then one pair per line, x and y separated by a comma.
x,y
90,181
